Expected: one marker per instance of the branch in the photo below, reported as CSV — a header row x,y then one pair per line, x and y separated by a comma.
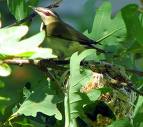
x,y
42,64
21,62
55,4
140,73
56,64
28,18
116,84
109,65
47,62
35,62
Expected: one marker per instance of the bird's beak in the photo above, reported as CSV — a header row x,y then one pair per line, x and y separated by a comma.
x,y
34,8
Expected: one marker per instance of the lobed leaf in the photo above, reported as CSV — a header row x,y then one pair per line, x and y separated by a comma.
x,y
133,23
110,31
77,80
41,100
11,46
10,36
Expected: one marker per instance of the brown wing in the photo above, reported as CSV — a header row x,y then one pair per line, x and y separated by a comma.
x,y
62,30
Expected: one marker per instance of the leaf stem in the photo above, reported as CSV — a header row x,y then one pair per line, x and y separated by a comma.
x,y
109,34
67,110
74,123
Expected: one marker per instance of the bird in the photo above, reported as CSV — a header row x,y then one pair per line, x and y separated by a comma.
x,y
61,37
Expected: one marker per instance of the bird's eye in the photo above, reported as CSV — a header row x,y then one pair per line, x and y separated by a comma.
x,y
47,13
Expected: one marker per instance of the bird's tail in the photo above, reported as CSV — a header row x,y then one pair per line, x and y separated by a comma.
x,y
98,49
94,42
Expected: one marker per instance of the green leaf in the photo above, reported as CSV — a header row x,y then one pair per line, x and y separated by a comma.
x,y
2,84
43,53
77,80
110,31
138,112
88,10
3,103
121,123
5,70
134,27
138,121
133,20
33,41
32,2
15,52
10,36
11,46
18,8
40,100
94,94
139,105
0,21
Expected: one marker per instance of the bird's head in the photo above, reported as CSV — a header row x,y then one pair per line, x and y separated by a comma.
x,y
46,14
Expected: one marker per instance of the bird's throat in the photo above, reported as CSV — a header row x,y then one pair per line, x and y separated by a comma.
x,y
48,20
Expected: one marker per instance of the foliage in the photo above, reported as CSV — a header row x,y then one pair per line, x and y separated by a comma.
x,y
20,9
85,89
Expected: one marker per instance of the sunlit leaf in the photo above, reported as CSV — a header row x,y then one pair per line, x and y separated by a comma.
x,y
10,36
16,51
11,45
5,70
43,53
33,41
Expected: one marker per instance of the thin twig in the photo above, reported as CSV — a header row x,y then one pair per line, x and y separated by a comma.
x,y
130,85
140,73
35,62
21,61
28,18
